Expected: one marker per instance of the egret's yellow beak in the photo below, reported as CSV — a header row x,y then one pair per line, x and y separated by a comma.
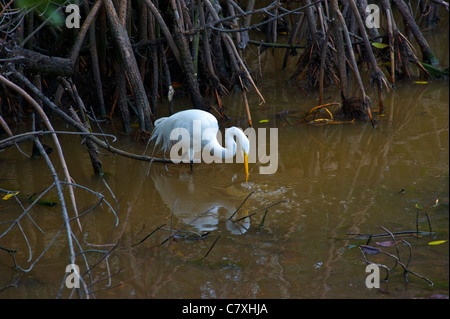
x,y
246,166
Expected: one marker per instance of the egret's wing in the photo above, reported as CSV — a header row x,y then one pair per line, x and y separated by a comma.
x,y
183,119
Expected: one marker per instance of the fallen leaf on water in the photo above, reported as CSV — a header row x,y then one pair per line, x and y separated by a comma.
x,y
6,197
437,242
388,243
370,250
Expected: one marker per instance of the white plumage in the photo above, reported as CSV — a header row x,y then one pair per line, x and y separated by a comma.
x,y
209,128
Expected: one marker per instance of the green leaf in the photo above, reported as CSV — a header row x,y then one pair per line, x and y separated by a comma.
x,y
434,71
264,121
50,9
379,45
437,242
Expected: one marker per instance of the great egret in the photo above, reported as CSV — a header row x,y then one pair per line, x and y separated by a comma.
x,y
209,128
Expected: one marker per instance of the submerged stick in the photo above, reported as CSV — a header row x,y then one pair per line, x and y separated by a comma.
x,y
261,224
210,248
429,222
261,210
408,232
151,233
63,205
232,215
393,240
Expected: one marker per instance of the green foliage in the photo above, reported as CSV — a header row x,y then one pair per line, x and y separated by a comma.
x,y
379,45
52,10
435,72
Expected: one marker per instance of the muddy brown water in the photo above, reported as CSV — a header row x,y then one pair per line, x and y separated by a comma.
x,y
333,180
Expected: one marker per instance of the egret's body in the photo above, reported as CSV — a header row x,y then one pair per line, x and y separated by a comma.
x,y
209,128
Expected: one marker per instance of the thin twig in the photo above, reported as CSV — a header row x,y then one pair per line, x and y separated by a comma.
x,y
261,210
151,233
393,239
232,215
186,225
210,248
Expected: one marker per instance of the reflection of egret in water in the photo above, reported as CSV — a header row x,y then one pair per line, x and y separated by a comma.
x,y
190,200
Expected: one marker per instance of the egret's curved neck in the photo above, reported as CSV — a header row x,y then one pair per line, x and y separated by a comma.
x,y
229,150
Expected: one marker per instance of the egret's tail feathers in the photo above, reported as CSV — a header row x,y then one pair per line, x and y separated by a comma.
x,y
160,121
157,129
159,135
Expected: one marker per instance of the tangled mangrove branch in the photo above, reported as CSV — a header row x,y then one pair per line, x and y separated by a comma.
x,y
202,44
